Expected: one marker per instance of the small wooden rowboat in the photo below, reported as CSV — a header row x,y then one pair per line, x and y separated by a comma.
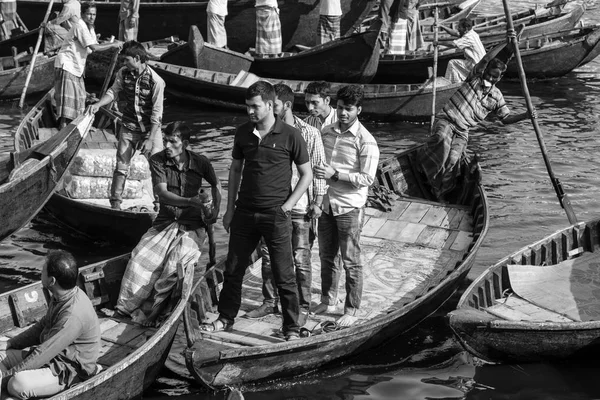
x,y
93,217
352,58
538,304
29,175
14,73
131,356
161,18
545,56
381,102
417,251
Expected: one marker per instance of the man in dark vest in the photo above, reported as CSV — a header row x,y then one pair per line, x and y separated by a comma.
x,y
140,91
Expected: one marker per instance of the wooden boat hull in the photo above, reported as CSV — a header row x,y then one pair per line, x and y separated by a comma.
x,y
132,373
24,195
101,223
498,339
21,42
541,59
160,19
352,58
12,81
381,102
216,366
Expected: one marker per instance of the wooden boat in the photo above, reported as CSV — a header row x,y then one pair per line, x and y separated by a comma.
x,y
544,56
93,217
199,54
352,58
381,102
162,18
21,42
14,73
29,174
499,319
418,252
131,356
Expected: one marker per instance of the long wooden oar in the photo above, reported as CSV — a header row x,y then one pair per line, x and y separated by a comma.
x,y
111,70
562,196
435,66
34,55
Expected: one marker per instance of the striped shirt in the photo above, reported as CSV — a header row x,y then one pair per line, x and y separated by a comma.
x,y
353,152
470,42
316,153
470,105
316,121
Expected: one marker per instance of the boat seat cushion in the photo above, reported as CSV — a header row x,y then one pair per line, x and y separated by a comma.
x,y
570,288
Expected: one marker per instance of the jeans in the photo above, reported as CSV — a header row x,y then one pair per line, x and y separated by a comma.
x,y
246,229
341,232
302,243
29,383
128,141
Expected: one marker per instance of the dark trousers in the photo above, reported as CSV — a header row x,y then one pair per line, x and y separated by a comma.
x,y
246,229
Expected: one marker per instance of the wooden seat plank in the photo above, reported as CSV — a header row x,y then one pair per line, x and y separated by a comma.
x,y
372,226
462,241
415,212
436,216
534,312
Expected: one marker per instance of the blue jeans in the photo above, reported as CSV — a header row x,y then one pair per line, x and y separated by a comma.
x,y
302,243
246,229
341,232
128,141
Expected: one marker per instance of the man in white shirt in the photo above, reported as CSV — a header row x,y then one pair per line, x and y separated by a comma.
x,y
318,99
469,41
215,22
58,28
329,21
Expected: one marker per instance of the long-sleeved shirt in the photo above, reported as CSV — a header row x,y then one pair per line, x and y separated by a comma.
x,y
471,43
66,339
316,154
70,9
353,152
316,121
73,53
141,97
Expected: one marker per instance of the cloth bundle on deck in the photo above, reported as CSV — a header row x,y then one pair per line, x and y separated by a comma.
x,y
92,170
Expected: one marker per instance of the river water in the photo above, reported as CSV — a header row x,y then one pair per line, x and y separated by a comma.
x,y
426,363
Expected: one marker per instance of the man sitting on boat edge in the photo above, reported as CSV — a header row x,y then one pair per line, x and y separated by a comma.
x,y
64,344
177,234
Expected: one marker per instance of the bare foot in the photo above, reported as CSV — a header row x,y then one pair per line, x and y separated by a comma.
x,y
150,321
346,320
323,308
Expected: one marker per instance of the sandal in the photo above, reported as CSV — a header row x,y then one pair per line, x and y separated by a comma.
x,y
217,325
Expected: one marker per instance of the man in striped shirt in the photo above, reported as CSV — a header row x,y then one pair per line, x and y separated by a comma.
x,y
317,99
351,154
304,214
475,99
469,41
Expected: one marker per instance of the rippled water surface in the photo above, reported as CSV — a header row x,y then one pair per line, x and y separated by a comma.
x,y
426,363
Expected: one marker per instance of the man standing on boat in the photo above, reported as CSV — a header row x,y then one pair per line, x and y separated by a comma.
x,y
352,156
261,206
469,41
268,27
215,22
63,346
141,93
330,15
129,20
317,98
58,28
8,18
470,105
70,94
177,233
304,215
405,33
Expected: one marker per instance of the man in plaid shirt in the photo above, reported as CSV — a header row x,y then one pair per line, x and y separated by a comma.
x,y
304,214
471,104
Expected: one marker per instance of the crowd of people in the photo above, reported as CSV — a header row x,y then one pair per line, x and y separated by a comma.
x,y
291,181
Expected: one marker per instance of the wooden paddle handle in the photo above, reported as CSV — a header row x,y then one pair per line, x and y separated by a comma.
x,y
34,55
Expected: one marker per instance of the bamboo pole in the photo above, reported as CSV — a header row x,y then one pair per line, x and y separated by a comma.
x,y
435,66
560,193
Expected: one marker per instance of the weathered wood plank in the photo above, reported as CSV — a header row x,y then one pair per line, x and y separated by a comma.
x,y
372,226
462,241
415,212
534,312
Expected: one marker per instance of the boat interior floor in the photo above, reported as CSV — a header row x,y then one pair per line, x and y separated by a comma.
x,y
405,251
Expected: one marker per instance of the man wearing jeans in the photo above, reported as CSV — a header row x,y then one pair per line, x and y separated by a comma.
x,y
263,152
141,92
351,155
304,215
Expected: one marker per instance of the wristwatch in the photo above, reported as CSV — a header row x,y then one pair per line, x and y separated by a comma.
x,y
336,176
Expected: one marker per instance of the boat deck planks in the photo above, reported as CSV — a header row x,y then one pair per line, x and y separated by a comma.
x,y
516,308
425,238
